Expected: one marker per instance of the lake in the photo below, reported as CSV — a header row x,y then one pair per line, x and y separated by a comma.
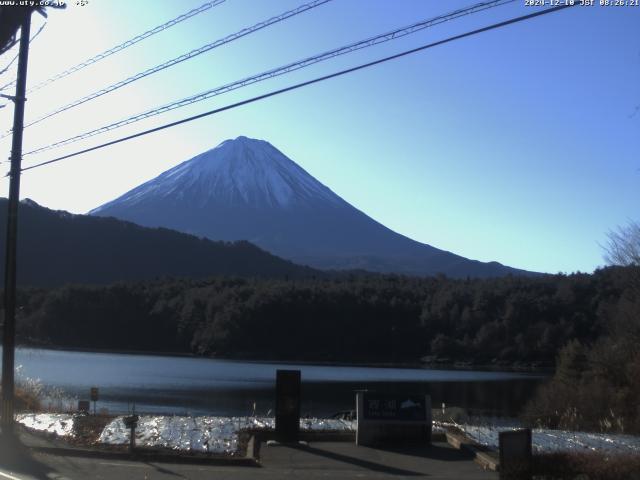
x,y
200,386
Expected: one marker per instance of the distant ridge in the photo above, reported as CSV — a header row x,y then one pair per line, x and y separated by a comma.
x,y
57,247
246,189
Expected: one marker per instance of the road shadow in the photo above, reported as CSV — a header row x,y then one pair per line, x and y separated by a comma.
x,y
163,470
367,464
17,458
442,453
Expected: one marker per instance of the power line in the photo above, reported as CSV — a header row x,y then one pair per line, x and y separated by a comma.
x,y
308,82
138,38
15,57
179,59
398,33
11,43
8,66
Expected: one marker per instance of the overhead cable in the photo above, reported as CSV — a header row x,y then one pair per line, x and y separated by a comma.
x,y
8,66
138,38
179,59
394,34
304,84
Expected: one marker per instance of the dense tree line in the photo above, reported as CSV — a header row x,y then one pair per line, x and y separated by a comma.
x,y
355,318
588,323
596,385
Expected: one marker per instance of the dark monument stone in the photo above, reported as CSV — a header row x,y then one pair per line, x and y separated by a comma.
x,y
83,406
287,405
515,454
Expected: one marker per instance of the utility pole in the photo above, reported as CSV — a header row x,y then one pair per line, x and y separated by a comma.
x,y
9,332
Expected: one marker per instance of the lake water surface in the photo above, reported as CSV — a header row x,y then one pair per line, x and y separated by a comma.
x,y
199,386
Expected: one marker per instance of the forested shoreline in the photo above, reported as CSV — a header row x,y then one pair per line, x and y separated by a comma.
x,y
587,326
382,319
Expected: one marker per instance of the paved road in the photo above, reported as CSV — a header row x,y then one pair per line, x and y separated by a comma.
x,y
346,460
319,460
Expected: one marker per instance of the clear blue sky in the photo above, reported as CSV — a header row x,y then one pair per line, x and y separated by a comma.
x,y
519,145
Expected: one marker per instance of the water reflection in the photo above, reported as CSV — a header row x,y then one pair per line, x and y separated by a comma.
x,y
158,384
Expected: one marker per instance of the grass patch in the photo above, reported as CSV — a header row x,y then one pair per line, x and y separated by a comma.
x,y
87,428
26,400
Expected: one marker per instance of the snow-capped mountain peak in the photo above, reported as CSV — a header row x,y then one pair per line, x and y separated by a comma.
x,y
246,189
238,171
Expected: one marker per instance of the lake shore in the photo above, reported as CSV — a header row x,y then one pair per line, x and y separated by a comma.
x,y
190,385
426,363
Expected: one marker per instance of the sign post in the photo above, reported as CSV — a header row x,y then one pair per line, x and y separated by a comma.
x,y
94,397
131,422
83,406
389,418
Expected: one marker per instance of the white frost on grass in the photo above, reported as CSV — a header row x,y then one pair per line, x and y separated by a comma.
x,y
327,424
203,434
220,434
60,424
437,427
546,440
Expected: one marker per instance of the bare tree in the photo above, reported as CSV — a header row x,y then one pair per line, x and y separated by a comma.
x,y
623,245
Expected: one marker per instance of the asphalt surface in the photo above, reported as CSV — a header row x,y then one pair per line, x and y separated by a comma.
x,y
315,460
346,460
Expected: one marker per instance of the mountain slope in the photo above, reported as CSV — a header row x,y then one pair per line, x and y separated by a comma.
x,y
56,247
247,189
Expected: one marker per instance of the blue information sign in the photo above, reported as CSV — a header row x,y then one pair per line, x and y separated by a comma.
x,y
394,407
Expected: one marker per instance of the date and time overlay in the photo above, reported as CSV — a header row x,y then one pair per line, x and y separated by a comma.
x,y
582,3
526,3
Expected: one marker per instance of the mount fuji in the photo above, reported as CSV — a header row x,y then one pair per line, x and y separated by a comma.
x,y
246,189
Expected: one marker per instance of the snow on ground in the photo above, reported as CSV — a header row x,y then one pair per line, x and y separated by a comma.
x,y
546,440
220,434
203,434
60,424
324,424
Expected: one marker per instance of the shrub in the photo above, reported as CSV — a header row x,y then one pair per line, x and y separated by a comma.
x,y
586,466
26,400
